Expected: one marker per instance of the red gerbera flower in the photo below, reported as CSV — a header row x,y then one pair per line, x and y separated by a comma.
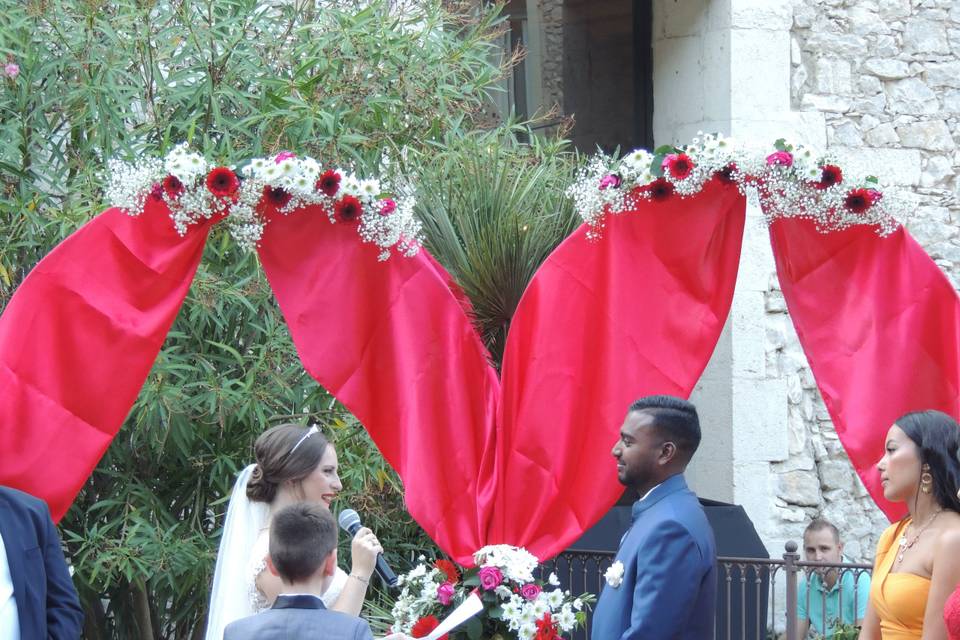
x,y
329,182
859,200
546,629
660,189
679,165
173,187
424,626
277,196
347,209
830,176
449,569
156,191
222,182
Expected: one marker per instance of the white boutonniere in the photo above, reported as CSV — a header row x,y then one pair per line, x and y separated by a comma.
x,y
614,575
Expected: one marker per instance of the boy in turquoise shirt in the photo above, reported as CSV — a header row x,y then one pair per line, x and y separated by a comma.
x,y
827,599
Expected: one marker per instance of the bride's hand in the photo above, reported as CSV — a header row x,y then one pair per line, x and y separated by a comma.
x,y
363,551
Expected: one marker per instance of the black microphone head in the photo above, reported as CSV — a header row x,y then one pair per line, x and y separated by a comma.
x,y
349,520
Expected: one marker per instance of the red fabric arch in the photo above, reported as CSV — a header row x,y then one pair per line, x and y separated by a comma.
x,y
880,325
77,341
393,343
603,322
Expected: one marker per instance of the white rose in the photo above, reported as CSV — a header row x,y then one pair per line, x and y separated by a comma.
x,y
614,575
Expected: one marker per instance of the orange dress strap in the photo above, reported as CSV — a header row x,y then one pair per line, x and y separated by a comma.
x,y
900,599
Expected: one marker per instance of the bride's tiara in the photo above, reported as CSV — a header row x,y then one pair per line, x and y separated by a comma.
x,y
312,430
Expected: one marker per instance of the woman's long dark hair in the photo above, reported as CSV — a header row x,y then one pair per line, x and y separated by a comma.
x,y
277,462
937,435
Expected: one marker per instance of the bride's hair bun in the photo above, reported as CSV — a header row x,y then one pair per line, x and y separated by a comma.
x,y
259,489
284,453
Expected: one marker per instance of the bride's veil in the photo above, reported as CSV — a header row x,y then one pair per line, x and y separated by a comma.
x,y
230,598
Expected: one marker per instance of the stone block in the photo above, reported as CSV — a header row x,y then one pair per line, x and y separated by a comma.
x,y
827,103
800,488
882,135
897,166
893,9
925,37
932,135
869,85
937,172
847,134
887,68
762,85
873,105
833,76
943,74
835,474
767,15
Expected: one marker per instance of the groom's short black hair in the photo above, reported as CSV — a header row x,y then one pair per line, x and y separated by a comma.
x,y
302,535
675,418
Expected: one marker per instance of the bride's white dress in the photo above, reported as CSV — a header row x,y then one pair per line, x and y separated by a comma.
x,y
242,556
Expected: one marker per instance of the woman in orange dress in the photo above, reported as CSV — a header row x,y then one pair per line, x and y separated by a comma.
x,y
917,564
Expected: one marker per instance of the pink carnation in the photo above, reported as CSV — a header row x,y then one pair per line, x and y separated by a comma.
x,y
530,591
490,578
283,155
445,593
12,69
780,158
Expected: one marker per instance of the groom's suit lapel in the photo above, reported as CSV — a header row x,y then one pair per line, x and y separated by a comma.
x,y
13,542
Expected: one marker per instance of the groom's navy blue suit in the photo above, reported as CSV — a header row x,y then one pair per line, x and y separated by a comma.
x,y
669,582
47,603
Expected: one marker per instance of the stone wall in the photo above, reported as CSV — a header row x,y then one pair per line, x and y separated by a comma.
x,y
886,77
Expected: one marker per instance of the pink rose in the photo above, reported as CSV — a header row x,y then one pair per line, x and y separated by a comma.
x,y
780,158
612,180
12,69
445,593
490,578
530,591
387,207
283,155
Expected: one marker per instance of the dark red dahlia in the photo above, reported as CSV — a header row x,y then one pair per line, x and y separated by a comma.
x,y
678,165
277,196
329,182
859,200
725,175
173,187
223,182
423,627
449,569
660,189
347,209
830,175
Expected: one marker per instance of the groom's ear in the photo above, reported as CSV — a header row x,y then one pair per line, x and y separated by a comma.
x,y
668,451
271,567
330,564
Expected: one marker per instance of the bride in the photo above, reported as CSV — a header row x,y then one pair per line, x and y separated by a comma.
x,y
294,464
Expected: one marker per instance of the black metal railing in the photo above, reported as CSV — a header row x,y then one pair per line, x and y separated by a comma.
x,y
748,607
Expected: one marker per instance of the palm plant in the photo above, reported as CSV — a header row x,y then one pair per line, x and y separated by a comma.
x,y
493,209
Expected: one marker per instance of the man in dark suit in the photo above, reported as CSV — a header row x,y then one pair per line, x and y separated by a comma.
x,y
37,596
303,552
662,584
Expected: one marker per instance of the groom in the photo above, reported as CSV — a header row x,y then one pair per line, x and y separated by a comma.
x,y
662,584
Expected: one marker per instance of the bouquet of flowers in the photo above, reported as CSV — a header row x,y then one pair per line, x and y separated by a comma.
x,y
516,604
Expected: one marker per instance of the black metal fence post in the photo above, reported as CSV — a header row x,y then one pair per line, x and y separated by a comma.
x,y
790,559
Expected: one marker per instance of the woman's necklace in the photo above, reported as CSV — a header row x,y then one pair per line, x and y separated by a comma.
x,y
906,544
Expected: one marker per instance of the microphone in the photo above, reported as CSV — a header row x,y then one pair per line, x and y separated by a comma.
x,y
350,522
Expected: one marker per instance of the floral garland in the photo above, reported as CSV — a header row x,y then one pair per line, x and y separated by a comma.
x,y
516,605
791,181
195,190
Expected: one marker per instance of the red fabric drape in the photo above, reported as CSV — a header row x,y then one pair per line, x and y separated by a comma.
x,y
77,341
880,325
393,343
602,323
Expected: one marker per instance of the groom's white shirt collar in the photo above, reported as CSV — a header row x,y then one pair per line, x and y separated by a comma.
x,y
647,494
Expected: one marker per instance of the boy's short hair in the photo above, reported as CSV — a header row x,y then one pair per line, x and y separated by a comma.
x,y
302,536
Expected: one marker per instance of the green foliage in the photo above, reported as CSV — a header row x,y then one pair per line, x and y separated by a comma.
x,y
493,209
237,78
